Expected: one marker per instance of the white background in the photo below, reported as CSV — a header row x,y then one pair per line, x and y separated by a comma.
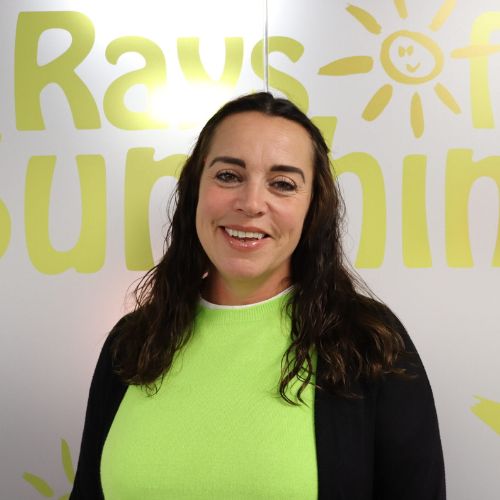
x,y
52,326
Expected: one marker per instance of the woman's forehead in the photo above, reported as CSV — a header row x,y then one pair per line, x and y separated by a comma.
x,y
254,132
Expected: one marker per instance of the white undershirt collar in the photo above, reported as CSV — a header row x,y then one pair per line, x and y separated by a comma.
x,y
210,305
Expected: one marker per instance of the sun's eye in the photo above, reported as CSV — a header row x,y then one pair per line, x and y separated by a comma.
x,y
284,185
227,177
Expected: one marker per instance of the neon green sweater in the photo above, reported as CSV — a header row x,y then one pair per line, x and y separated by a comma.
x,y
217,429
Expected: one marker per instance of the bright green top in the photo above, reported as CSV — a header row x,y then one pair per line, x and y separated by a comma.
x,y
217,428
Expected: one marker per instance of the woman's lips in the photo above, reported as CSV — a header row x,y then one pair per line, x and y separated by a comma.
x,y
244,244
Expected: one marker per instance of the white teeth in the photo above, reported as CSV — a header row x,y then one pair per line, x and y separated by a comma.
x,y
243,234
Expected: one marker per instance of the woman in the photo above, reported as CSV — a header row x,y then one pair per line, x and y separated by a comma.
x,y
187,400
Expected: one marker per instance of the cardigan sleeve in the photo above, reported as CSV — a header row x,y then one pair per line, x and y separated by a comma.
x,y
105,394
408,455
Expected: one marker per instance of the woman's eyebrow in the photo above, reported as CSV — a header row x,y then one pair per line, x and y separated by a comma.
x,y
228,159
275,168
289,169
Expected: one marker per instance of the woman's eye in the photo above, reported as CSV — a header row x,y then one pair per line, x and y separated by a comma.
x,y
284,185
226,177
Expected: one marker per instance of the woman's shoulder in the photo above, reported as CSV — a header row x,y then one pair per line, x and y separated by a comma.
x,y
114,337
119,327
378,329
376,307
125,322
381,313
407,361
131,321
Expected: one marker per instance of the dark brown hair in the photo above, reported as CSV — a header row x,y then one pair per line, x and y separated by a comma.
x,y
332,311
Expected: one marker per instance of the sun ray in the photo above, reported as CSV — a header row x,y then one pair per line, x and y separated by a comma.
x,y
445,95
443,14
475,51
489,412
417,115
365,18
347,66
378,103
401,8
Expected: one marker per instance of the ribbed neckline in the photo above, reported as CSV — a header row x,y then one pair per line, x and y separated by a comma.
x,y
211,305
249,312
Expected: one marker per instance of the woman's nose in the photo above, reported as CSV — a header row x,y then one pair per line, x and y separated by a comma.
x,y
252,200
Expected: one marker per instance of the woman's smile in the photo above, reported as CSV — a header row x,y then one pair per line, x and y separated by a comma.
x,y
244,239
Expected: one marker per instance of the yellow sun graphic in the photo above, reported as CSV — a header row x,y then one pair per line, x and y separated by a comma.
x,y
408,57
44,488
489,412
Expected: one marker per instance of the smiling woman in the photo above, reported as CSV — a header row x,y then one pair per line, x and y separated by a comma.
x,y
256,364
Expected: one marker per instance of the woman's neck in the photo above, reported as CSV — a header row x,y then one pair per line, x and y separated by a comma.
x,y
219,291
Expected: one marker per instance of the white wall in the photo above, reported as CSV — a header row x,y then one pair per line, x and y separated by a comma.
x,y
54,317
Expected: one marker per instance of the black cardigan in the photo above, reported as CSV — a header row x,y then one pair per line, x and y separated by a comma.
x,y
384,446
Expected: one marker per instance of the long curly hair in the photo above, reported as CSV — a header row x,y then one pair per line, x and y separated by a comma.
x,y
332,311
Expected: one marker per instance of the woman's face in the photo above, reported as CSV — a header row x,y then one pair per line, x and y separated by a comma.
x,y
255,190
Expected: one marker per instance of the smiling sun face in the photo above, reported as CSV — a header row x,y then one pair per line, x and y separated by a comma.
x,y
408,57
